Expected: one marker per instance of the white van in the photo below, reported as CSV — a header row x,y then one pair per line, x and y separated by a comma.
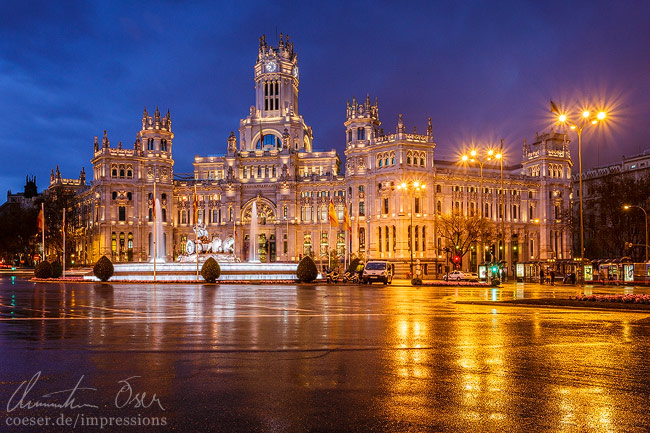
x,y
377,270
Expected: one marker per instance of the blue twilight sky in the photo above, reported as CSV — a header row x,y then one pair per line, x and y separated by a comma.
x,y
482,70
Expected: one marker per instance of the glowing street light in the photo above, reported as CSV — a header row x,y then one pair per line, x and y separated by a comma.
x,y
586,118
415,186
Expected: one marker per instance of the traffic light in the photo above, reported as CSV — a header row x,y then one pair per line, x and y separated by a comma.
x,y
456,259
494,269
492,249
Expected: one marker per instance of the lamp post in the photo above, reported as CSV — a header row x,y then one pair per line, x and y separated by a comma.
x,y
499,156
416,187
586,118
626,207
473,157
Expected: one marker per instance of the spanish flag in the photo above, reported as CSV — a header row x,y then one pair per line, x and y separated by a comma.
x,y
41,219
347,225
332,214
554,108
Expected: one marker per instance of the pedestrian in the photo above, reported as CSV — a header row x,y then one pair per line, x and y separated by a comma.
x,y
552,275
541,276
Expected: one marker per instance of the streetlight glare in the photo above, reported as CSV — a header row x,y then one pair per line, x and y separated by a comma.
x,y
403,185
573,127
586,113
464,158
498,156
626,207
593,122
562,118
416,184
490,152
601,115
473,153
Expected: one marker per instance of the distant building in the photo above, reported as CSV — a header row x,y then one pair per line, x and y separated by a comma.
x,y
273,161
26,198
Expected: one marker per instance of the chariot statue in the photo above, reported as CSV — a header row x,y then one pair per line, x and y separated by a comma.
x,y
202,244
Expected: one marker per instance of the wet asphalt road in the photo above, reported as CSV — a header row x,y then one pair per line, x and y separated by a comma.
x,y
327,358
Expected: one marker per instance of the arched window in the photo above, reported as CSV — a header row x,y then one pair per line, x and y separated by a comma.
x,y
439,208
379,239
150,144
362,208
392,161
381,161
386,161
163,145
387,236
394,238
417,238
270,140
130,244
362,239
424,231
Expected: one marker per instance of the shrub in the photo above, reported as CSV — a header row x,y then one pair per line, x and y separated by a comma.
x,y
211,271
307,271
495,282
43,270
103,268
353,265
57,269
416,281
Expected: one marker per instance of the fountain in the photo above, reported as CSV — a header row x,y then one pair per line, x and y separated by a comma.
x,y
253,241
202,247
159,244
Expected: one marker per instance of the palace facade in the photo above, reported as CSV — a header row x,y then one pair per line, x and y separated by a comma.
x,y
272,161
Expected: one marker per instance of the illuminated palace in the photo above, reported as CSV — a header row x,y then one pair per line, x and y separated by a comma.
x,y
272,161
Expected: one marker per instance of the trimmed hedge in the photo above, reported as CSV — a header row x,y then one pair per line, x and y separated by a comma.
x,y
211,271
43,270
307,271
416,282
103,269
57,269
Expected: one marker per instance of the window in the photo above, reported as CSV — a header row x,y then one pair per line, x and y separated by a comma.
x,y
361,134
417,204
424,231
114,243
362,188
422,162
394,238
392,160
379,239
409,235
271,141
439,208
362,208
286,244
163,145
130,244
438,188
362,239
114,195
271,95
408,159
129,196
417,238
259,171
385,205
164,215
114,172
150,144
121,213
381,162
121,173
306,245
349,136
387,238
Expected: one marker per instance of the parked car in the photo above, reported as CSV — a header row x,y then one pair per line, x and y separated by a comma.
x,y
377,270
460,276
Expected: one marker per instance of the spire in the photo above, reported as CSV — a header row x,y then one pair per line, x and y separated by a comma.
x,y
96,144
367,104
430,129
58,173
281,43
52,176
82,176
156,115
119,144
400,124
105,142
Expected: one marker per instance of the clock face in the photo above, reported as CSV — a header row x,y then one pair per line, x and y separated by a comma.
x,y
295,71
271,67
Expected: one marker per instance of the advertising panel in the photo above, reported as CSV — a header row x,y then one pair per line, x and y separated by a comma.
x,y
628,272
520,270
589,273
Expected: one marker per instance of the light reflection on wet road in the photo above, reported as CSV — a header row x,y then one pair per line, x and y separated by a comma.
x,y
342,358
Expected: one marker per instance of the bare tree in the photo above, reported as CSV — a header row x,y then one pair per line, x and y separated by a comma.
x,y
462,232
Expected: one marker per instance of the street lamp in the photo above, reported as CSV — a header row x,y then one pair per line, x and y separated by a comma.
x,y
416,187
587,117
626,207
502,210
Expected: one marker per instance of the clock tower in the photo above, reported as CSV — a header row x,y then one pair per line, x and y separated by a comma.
x,y
276,79
273,122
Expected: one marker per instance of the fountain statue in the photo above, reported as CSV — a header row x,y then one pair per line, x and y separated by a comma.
x,y
220,250
159,246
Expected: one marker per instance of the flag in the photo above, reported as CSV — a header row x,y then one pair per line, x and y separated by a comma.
x,y
195,206
554,108
347,225
332,214
41,220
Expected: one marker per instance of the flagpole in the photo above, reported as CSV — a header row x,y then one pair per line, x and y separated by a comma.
x,y
320,240
43,227
196,231
64,242
153,205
